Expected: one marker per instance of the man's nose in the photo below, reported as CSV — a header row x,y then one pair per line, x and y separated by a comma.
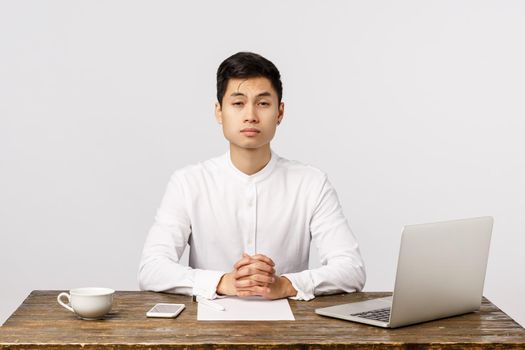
x,y
250,115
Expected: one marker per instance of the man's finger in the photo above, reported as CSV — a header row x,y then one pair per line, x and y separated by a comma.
x,y
255,265
247,271
254,280
255,290
245,260
245,293
264,258
252,270
248,283
261,266
258,257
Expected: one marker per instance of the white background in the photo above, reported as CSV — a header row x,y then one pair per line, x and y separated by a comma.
x,y
415,109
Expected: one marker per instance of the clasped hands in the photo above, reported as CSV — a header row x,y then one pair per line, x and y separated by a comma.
x,y
255,275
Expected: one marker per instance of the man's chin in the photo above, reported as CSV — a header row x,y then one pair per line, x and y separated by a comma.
x,y
249,145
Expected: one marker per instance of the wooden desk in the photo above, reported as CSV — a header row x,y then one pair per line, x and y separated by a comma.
x,y
41,323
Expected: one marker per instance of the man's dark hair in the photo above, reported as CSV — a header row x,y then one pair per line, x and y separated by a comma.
x,y
247,65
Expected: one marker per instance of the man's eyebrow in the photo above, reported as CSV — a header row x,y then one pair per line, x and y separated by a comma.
x,y
264,93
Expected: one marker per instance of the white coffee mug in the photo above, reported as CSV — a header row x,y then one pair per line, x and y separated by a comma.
x,y
88,303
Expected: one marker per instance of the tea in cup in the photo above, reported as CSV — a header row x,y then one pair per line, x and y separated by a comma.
x,y
88,303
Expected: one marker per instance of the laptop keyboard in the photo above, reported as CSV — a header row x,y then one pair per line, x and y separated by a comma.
x,y
382,315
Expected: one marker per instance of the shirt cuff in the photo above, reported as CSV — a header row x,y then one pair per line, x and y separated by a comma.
x,y
303,284
205,284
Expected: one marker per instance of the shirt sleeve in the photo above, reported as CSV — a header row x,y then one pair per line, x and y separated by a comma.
x,y
160,269
342,267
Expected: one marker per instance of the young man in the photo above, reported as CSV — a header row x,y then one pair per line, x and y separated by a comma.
x,y
249,215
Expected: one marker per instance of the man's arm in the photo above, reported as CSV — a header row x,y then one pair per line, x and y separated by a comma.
x,y
160,269
342,267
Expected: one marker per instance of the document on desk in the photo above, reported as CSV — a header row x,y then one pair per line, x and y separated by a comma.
x,y
247,309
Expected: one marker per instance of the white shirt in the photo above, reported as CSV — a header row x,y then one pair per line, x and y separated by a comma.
x,y
221,212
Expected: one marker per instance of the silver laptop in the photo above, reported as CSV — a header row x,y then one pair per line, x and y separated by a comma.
x,y
440,273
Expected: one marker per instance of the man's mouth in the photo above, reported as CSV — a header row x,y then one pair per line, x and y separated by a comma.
x,y
250,131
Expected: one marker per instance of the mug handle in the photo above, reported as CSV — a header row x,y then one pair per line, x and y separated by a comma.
x,y
59,299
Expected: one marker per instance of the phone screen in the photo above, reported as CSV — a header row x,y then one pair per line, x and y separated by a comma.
x,y
165,310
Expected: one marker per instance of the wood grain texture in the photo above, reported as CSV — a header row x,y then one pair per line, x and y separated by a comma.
x,y
41,323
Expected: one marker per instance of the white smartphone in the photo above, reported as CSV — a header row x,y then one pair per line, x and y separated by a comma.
x,y
165,310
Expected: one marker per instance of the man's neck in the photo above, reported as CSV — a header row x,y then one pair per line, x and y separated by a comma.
x,y
250,161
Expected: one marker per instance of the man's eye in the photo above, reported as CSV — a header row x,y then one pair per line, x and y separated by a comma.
x,y
265,104
237,103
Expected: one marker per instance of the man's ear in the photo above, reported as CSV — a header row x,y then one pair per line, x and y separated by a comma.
x,y
280,116
218,112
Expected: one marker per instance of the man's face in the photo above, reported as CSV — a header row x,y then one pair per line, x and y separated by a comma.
x,y
250,112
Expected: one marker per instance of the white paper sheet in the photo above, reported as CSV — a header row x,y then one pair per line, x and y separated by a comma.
x,y
247,309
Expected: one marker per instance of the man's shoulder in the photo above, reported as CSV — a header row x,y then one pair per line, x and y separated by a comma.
x,y
198,169
300,169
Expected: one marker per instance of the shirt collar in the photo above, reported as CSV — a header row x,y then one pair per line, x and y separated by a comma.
x,y
258,176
